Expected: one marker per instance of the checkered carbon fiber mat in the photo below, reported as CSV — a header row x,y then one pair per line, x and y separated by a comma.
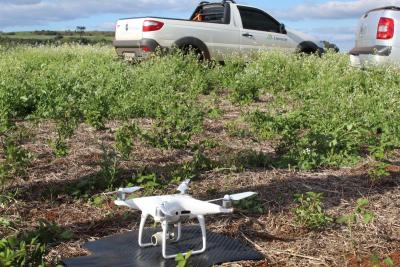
x,y
123,251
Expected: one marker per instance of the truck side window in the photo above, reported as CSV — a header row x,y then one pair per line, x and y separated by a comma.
x,y
255,19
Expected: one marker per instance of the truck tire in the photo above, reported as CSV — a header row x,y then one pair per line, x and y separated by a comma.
x,y
191,44
309,48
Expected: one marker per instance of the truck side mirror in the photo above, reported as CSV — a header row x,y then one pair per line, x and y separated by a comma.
x,y
282,28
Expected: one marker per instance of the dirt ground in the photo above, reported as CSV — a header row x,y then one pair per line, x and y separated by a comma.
x,y
274,233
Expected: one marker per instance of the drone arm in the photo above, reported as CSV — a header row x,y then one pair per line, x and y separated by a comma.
x,y
141,228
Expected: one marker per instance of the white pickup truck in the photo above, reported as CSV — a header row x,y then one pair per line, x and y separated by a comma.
x,y
214,31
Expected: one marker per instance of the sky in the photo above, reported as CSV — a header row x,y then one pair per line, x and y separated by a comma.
x,y
334,21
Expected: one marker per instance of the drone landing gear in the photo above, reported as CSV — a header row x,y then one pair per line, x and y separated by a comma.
x,y
166,235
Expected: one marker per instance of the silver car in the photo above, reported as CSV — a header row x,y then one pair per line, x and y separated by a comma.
x,y
378,38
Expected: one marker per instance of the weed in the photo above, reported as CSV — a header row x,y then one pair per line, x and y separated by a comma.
x,y
124,139
98,200
252,159
237,129
183,261
109,167
191,169
252,204
50,232
378,171
17,252
375,261
15,160
360,214
310,211
149,182
175,125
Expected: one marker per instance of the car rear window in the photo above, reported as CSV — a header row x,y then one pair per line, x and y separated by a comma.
x,y
210,13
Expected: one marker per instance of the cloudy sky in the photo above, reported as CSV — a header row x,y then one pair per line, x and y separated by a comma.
x,y
329,20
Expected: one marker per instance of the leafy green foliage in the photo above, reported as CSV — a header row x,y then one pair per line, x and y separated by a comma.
x,y
175,125
109,167
360,214
17,252
183,261
28,249
15,159
323,113
124,139
149,182
251,204
310,211
379,171
49,232
191,169
375,261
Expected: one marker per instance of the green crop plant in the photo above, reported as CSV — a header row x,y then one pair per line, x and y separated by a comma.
x,y
321,112
109,167
378,171
17,252
124,139
310,210
252,204
149,182
359,214
183,261
14,159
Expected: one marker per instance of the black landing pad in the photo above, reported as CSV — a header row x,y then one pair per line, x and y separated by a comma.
x,y
122,250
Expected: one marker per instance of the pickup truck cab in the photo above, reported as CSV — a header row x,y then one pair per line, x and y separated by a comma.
x,y
377,38
214,31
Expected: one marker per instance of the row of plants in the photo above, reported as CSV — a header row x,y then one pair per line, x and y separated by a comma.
x,y
322,112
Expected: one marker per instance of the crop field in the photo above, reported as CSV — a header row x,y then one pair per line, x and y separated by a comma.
x,y
318,140
55,38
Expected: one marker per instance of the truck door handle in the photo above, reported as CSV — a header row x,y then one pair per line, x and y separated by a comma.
x,y
247,35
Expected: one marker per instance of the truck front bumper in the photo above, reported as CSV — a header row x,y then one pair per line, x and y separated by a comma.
x,y
135,49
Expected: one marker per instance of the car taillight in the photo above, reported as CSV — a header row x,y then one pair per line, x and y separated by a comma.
x,y
152,25
385,29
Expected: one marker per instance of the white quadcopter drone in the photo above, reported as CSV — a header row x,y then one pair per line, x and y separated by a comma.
x,y
171,210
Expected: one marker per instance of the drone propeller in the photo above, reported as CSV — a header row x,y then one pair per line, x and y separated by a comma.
x,y
184,187
235,197
121,193
129,190
240,196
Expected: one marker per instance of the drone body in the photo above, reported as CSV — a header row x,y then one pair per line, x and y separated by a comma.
x,y
171,211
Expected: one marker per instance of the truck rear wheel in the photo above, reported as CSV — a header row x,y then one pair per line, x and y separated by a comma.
x,y
193,45
194,50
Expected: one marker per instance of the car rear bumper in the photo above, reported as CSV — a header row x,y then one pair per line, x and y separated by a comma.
x,y
376,55
377,50
135,47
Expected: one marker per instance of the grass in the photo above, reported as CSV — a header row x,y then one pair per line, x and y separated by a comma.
x,y
160,120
